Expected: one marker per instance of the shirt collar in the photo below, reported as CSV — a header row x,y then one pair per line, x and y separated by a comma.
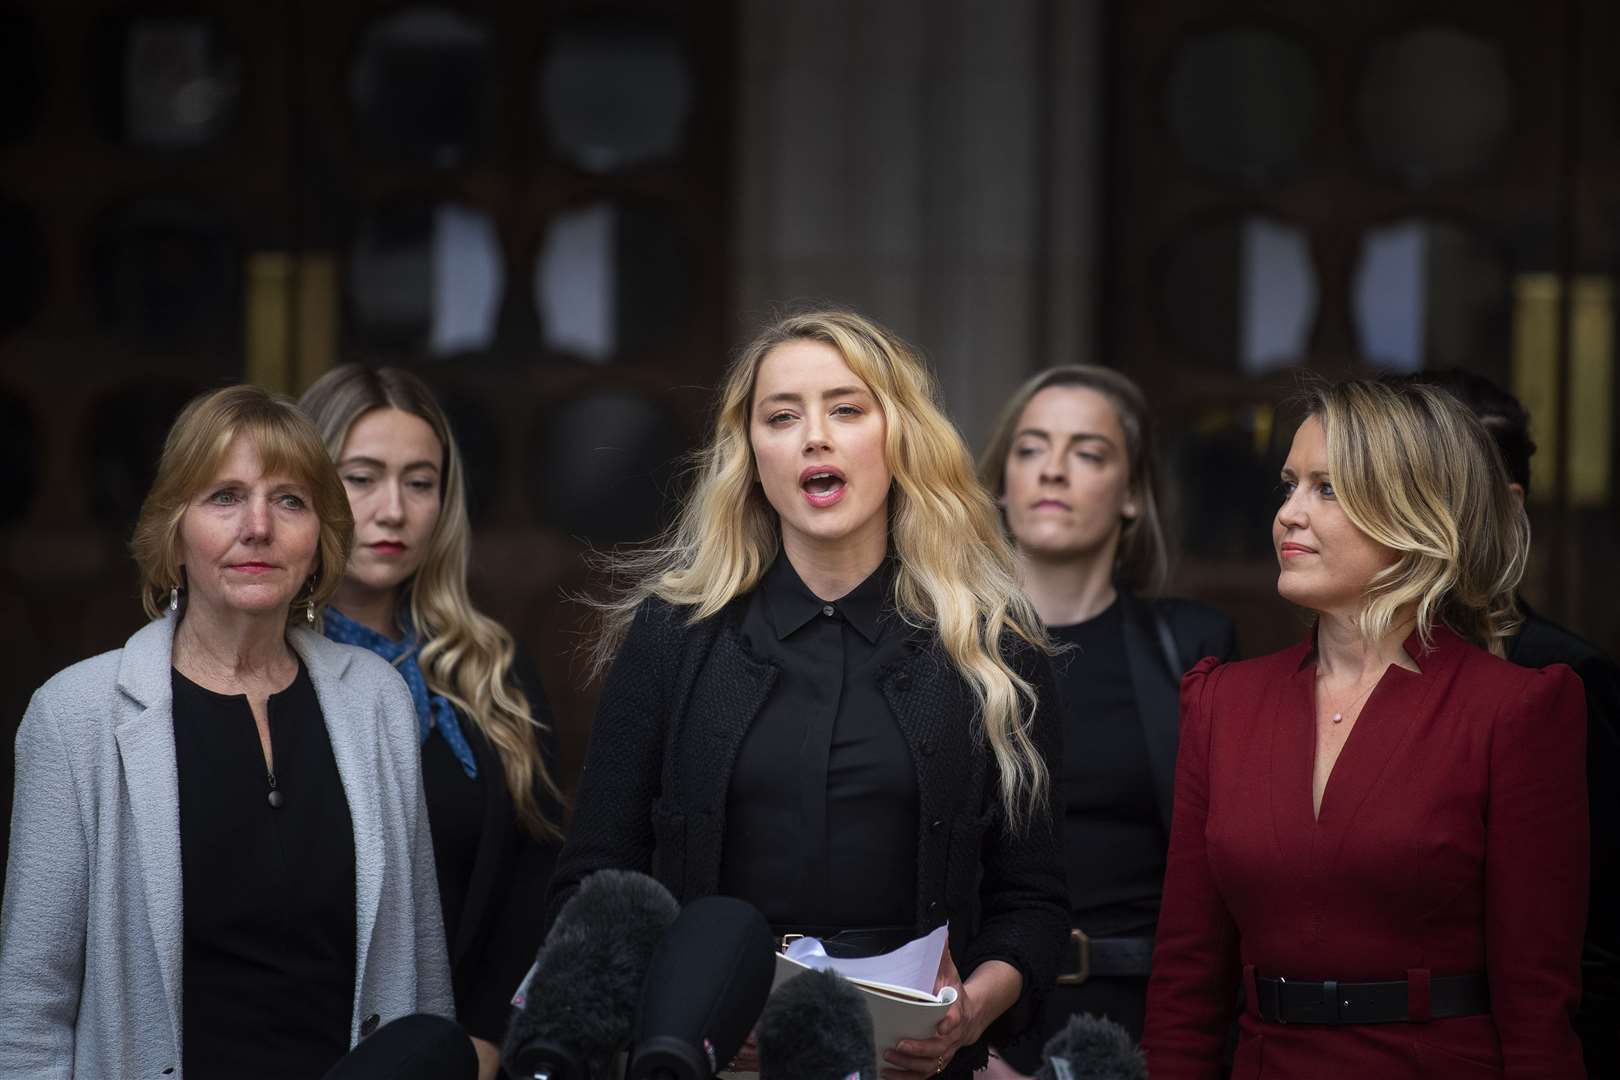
x,y
791,604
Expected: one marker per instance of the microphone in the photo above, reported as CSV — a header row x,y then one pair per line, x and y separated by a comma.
x,y
414,1047
816,1027
705,988
579,1000
1092,1048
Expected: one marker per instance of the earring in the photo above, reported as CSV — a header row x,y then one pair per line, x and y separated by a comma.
x,y
309,613
174,598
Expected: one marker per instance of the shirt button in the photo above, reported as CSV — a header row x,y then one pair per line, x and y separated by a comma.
x,y
828,610
902,681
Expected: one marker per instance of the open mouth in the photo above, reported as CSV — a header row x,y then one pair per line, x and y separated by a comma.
x,y
822,486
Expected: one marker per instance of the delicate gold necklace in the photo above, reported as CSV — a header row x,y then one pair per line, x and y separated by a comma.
x,y
1338,716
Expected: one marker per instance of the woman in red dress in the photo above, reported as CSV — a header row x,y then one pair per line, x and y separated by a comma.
x,y
1380,833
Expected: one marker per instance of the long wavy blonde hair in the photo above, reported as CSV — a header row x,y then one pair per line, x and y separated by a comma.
x,y
955,570
1417,472
465,655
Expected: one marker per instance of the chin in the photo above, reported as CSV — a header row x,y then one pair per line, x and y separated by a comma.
x,y
377,579
1294,594
1065,546
252,605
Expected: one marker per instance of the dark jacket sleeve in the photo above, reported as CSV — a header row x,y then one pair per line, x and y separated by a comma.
x,y
1199,630
612,824
1601,679
1024,897
515,916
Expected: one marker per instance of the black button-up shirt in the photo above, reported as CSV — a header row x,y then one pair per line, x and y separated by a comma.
x,y
821,815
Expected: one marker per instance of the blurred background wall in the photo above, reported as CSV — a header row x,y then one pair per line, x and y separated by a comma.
x,y
565,214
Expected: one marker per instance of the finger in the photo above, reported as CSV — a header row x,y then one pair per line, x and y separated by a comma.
x,y
953,1016
925,1049
921,1064
897,1073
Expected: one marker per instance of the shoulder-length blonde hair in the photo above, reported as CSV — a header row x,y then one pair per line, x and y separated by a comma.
x,y
193,451
955,570
465,655
1416,472
1143,558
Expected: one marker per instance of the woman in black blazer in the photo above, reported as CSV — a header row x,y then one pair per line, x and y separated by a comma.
x,y
488,746
828,696
1071,462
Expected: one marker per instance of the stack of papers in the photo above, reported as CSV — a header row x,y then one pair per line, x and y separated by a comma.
x,y
898,987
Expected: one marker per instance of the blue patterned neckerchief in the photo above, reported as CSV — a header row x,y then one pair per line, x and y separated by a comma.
x,y
432,710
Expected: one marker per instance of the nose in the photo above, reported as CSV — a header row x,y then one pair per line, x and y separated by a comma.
x,y
1291,514
816,437
256,521
1054,467
392,510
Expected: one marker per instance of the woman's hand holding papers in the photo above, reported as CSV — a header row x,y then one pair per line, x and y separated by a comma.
x,y
985,995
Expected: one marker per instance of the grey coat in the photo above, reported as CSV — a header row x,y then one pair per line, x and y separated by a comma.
x,y
90,931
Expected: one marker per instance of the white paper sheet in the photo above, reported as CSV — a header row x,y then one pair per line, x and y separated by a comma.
x,y
914,965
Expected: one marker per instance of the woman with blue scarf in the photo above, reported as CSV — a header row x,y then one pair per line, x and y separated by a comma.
x,y
488,746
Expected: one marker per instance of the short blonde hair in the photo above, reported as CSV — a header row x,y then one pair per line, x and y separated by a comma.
x,y
1143,558
196,445
1417,472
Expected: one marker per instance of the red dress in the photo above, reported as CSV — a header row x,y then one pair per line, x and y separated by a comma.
x,y
1451,840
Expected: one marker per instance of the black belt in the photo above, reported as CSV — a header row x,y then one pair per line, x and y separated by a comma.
x,y
1287,1001
1090,958
848,943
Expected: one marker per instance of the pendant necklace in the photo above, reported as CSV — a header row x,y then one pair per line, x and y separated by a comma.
x,y
1338,715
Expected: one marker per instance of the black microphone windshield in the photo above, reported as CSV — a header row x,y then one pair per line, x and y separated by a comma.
x,y
705,988
816,1027
1094,1048
415,1047
581,996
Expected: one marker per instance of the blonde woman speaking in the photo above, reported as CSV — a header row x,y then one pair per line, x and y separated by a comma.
x,y
828,696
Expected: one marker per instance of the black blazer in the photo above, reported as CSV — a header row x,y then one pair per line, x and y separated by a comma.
x,y
1157,665
1538,643
500,927
673,714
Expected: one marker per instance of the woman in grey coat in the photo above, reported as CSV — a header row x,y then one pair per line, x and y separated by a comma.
x,y
220,860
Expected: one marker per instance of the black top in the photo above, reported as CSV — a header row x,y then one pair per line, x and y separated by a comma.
x,y
455,818
1538,643
268,892
1114,839
821,815
492,872
682,696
